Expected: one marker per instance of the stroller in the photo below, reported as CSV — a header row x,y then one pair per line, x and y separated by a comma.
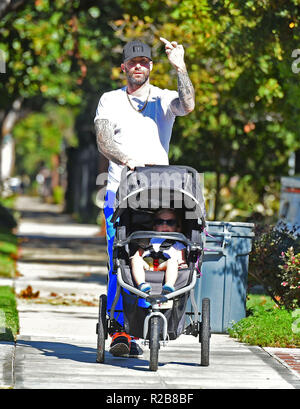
x,y
141,193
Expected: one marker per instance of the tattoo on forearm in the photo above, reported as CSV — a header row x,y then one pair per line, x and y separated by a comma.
x,y
186,92
106,143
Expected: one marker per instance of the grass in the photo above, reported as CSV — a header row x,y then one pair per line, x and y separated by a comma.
x,y
267,325
9,318
8,253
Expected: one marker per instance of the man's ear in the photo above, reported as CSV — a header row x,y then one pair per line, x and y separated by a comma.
x,y
123,67
151,65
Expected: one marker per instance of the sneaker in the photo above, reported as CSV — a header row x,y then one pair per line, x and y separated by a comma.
x,y
145,287
135,350
120,344
167,289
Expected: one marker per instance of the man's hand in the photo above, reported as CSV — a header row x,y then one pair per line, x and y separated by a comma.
x,y
131,163
175,53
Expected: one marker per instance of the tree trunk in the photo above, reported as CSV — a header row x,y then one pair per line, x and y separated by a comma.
x,y
55,180
217,197
8,5
8,123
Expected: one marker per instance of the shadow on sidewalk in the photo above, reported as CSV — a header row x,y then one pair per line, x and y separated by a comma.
x,y
81,354
79,262
61,350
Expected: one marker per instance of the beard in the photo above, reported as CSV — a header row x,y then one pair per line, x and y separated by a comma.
x,y
136,81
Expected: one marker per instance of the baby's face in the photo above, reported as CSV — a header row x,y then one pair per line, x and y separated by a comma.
x,y
165,222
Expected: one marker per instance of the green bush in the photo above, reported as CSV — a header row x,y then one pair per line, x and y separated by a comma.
x,y
8,240
8,253
266,325
267,259
290,270
7,266
58,195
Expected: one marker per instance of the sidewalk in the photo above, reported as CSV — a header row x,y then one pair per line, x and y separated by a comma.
x,y
56,347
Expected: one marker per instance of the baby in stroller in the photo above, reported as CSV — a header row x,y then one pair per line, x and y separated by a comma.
x,y
165,220
172,241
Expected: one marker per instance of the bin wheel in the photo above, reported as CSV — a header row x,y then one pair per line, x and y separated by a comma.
x,y
101,329
154,343
204,333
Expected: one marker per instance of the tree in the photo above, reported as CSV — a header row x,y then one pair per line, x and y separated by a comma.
x,y
239,59
50,48
41,135
239,55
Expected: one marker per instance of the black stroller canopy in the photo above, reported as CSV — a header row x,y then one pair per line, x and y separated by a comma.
x,y
155,187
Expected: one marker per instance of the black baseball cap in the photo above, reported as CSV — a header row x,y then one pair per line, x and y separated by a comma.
x,y
136,48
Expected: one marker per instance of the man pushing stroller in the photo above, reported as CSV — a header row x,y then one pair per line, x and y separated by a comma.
x,y
133,128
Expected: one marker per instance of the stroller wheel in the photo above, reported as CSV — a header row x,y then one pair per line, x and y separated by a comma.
x,y
101,329
154,343
204,334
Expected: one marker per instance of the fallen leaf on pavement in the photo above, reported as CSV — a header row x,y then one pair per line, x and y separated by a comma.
x,y
28,293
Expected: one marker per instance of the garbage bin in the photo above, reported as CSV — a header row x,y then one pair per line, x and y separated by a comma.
x,y
224,272
289,212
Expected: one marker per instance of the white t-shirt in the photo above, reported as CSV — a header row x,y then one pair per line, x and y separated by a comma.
x,y
143,136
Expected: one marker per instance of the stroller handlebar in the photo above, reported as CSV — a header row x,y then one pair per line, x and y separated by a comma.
x,y
152,234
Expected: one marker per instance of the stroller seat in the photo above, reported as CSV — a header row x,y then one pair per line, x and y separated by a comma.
x,y
156,279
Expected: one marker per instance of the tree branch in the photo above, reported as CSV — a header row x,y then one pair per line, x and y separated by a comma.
x,y
9,5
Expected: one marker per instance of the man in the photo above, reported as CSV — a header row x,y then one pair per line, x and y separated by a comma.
x,y
133,128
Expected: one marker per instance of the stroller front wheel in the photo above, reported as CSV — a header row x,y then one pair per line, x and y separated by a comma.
x,y
204,335
101,329
154,342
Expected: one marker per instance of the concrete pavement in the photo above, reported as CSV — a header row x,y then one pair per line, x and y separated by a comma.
x,y
56,347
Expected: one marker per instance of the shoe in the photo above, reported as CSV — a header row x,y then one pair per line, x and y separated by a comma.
x,y
167,289
145,287
135,350
120,344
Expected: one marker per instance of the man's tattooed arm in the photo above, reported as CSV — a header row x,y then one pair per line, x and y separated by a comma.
x,y
186,101
106,143
186,93
108,146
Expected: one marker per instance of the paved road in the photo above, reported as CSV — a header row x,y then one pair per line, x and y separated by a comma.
x,y
56,347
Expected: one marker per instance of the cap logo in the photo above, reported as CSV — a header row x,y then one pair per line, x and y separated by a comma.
x,y
138,49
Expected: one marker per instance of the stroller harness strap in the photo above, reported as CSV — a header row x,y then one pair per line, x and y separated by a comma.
x,y
155,264
162,247
159,251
